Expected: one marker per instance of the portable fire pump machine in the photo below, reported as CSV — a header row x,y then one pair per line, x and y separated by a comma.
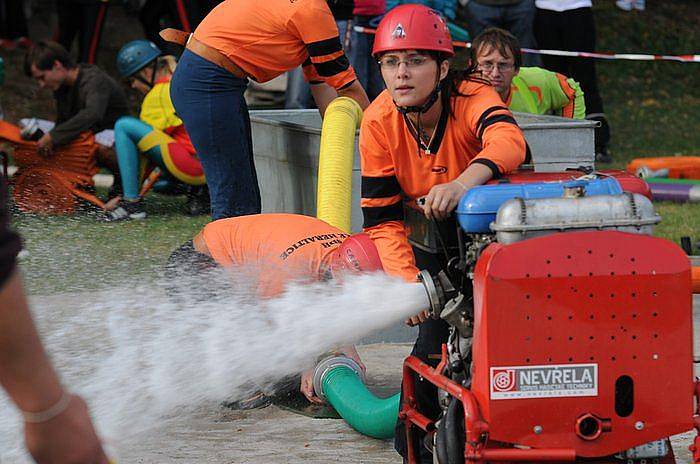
x,y
571,327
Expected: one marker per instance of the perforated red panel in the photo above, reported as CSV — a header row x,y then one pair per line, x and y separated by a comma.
x,y
615,304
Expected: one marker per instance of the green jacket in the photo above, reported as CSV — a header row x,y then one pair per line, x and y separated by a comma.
x,y
538,91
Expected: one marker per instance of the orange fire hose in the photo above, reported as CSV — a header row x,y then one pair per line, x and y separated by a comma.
x,y
51,185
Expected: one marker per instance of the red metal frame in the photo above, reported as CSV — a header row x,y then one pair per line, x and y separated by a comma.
x,y
476,450
567,298
475,428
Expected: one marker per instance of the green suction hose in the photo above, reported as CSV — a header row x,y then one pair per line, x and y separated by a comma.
x,y
340,381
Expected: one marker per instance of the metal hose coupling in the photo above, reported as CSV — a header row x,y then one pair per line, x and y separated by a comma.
x,y
439,289
327,364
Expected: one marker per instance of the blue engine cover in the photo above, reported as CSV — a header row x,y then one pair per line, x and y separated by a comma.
x,y
478,207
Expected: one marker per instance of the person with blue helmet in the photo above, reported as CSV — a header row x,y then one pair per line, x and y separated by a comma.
x,y
157,137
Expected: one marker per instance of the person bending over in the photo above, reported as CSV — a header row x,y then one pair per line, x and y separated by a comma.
x,y
259,40
279,248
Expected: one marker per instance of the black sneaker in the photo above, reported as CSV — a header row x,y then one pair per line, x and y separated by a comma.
x,y
198,201
126,210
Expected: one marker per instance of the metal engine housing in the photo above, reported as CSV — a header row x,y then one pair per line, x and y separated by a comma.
x,y
519,219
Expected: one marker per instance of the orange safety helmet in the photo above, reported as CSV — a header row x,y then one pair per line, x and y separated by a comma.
x,y
357,253
413,27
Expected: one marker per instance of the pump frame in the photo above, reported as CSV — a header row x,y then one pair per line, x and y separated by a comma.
x,y
477,448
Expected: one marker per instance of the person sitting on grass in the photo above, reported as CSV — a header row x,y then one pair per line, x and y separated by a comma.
x,y
87,99
280,248
157,137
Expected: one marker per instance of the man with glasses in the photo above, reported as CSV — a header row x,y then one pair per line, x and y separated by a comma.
x,y
534,90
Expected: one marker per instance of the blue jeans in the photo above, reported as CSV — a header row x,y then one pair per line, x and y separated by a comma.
x,y
518,19
210,102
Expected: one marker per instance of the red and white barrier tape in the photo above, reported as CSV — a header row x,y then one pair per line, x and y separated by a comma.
x,y
600,55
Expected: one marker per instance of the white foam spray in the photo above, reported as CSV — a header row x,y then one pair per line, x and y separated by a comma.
x,y
140,358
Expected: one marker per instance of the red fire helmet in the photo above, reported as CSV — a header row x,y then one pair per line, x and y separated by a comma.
x,y
412,27
357,253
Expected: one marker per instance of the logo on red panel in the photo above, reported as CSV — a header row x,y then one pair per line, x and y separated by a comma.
x,y
439,169
503,380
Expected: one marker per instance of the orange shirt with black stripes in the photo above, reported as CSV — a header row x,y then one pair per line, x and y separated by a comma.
x,y
267,38
275,247
481,130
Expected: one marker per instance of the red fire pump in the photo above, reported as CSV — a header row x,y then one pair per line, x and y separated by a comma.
x,y
571,337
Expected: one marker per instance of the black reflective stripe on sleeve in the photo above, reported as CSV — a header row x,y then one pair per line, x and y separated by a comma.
x,y
324,47
347,85
491,165
380,214
486,114
380,187
528,154
333,67
493,120
307,62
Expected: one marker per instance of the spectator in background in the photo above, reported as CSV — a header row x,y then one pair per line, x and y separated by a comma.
x,y
569,25
84,19
13,25
496,53
57,426
515,16
87,99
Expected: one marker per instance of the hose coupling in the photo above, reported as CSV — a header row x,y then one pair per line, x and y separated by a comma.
x,y
329,363
439,289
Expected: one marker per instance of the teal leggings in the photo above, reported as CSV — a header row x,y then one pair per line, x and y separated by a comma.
x,y
128,131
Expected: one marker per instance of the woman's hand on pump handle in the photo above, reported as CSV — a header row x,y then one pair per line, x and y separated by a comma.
x,y
442,199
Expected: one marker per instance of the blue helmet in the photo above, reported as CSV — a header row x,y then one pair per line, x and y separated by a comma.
x,y
136,55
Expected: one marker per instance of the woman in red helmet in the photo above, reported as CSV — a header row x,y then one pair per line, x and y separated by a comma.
x,y
277,249
432,134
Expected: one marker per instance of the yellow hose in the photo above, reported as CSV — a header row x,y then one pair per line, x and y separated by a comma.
x,y
333,197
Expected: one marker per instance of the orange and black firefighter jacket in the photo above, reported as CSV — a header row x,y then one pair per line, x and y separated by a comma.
x,y
480,130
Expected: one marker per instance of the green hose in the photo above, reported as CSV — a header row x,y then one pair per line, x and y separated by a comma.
x,y
668,180
366,413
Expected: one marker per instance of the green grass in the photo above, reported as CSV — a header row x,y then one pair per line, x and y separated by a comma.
x,y
653,107
678,220
81,254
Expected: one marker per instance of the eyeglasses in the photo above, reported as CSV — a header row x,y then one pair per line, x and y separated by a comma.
x,y
502,67
392,63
